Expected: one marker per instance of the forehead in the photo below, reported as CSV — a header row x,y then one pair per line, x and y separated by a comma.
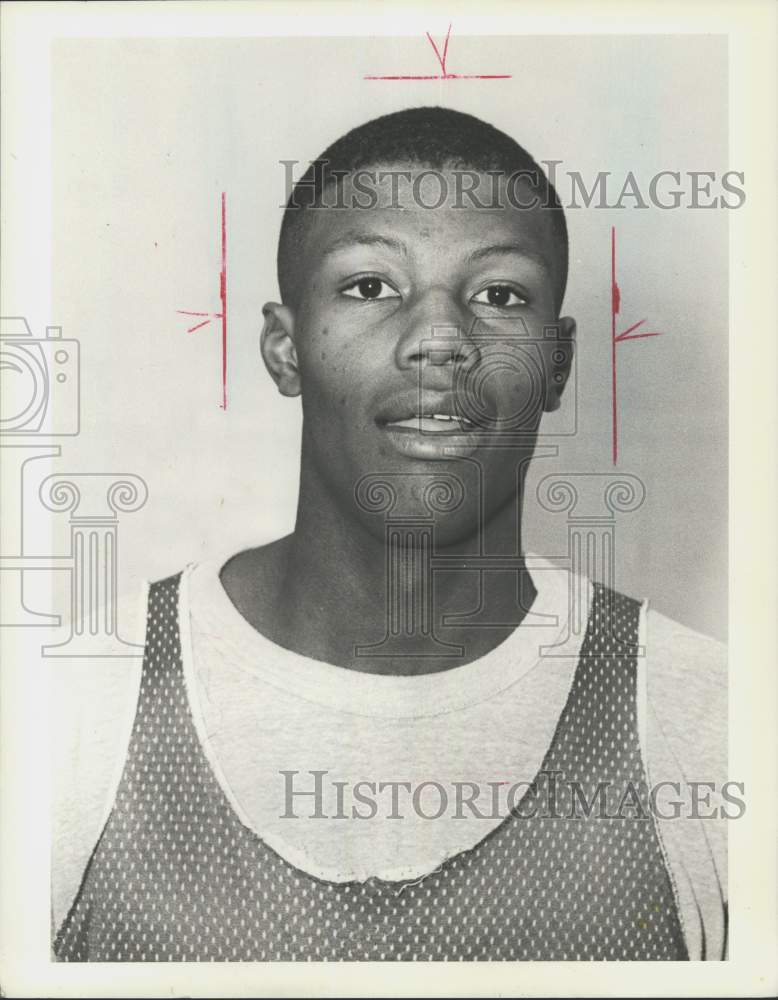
x,y
427,210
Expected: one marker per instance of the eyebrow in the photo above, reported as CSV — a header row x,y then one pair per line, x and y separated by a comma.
x,y
364,240
510,250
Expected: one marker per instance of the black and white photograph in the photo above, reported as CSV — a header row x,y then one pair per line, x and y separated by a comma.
x,y
376,536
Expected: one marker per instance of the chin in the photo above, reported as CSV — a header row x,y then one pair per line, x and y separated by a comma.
x,y
417,503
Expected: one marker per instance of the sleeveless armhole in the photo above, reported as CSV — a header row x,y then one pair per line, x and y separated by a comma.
x,y
129,719
94,832
680,839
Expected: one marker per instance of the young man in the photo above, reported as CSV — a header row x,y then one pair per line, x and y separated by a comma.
x,y
331,752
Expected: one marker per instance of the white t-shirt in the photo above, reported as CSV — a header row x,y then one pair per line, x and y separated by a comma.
x,y
263,712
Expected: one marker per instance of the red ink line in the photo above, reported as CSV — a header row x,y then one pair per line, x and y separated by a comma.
x,y
615,303
434,46
630,329
628,334
441,59
637,336
192,329
437,76
223,297
448,76
445,48
444,74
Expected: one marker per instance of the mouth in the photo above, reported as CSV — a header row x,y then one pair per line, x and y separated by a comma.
x,y
431,423
426,412
429,426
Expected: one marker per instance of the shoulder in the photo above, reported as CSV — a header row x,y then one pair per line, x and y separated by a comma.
x,y
686,688
683,703
687,647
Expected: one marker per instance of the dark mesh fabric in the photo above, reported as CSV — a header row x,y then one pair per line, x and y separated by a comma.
x,y
177,877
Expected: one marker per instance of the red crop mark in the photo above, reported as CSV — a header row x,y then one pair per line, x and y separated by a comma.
x,y
441,58
205,322
222,298
627,334
444,74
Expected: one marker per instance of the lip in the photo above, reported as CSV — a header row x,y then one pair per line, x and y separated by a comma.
x,y
412,402
427,441
431,447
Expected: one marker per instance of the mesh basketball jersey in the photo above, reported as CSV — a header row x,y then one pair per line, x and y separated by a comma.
x,y
176,876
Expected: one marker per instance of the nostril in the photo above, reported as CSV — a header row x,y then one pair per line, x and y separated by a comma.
x,y
441,356
444,347
432,343
454,352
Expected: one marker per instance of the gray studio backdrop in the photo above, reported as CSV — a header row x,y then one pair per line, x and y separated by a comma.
x,y
148,133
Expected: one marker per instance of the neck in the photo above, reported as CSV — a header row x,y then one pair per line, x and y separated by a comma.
x,y
336,594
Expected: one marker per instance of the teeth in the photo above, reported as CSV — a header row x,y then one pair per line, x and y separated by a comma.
x,y
453,419
431,423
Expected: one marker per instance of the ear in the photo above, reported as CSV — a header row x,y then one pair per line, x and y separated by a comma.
x,y
559,362
278,350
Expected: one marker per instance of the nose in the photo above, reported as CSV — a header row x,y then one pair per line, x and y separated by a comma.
x,y
437,332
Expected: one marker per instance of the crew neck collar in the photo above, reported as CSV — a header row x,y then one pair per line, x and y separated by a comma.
x,y
213,617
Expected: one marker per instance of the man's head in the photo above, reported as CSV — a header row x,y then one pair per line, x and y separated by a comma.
x,y
421,262
435,138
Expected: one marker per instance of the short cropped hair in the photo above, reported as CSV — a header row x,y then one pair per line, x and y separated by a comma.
x,y
433,137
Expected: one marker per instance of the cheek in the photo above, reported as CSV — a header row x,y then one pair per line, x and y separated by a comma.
x,y
333,369
331,383
325,378
525,392
508,381
341,363
321,354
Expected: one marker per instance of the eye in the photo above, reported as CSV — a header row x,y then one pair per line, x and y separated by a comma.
x,y
370,288
501,296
